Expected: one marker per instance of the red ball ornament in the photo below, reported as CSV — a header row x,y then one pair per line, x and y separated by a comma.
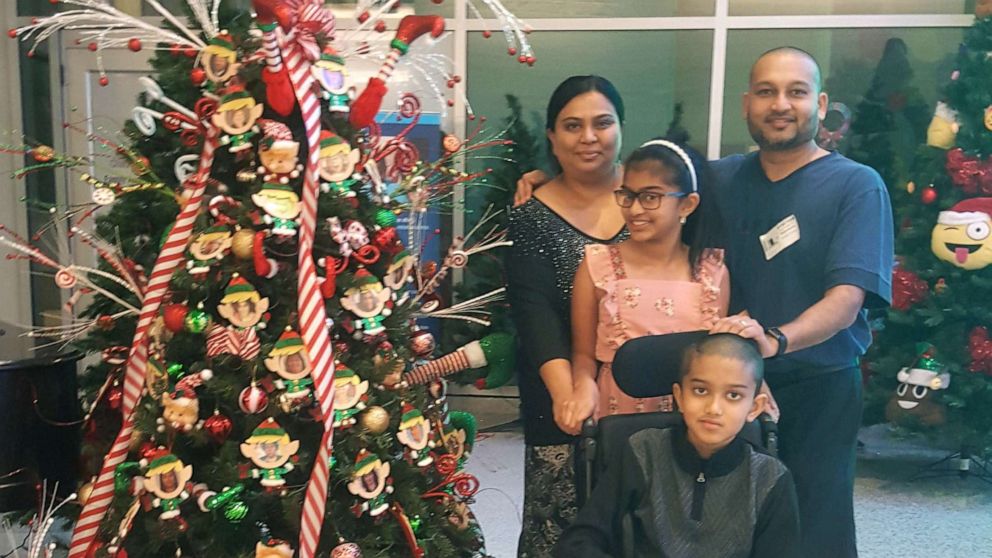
x,y
522,59
346,550
134,45
175,49
253,400
531,60
387,241
218,427
198,76
928,196
486,34
92,47
190,52
511,51
104,81
174,317
115,395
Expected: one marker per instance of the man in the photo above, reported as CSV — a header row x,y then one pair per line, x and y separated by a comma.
x,y
809,246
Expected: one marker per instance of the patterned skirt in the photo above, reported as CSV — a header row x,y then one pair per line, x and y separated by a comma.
x,y
549,498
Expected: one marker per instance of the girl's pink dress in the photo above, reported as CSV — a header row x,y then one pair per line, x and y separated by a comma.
x,y
631,308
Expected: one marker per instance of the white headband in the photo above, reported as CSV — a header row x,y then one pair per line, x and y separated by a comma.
x,y
681,153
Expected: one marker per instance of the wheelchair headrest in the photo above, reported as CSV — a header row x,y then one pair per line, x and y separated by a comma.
x,y
648,366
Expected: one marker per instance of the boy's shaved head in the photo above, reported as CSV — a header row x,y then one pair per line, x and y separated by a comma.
x,y
795,51
726,345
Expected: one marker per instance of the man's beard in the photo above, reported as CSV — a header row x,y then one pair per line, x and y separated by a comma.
x,y
804,133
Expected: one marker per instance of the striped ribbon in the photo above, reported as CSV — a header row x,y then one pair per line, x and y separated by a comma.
x,y
170,258
313,320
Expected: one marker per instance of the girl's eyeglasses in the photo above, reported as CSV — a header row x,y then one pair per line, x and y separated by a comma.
x,y
648,200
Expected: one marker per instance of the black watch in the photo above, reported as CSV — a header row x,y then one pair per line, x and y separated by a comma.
x,y
783,341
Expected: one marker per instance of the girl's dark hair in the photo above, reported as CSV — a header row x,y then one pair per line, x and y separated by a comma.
x,y
570,89
702,226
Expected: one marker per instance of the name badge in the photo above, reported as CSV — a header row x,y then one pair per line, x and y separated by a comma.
x,y
780,237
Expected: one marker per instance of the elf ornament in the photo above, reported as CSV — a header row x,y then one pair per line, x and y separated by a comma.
x,y
961,235
167,478
330,73
337,166
915,399
219,60
243,307
236,116
282,207
271,547
399,274
181,407
270,449
370,301
207,249
278,153
415,433
370,480
351,393
288,359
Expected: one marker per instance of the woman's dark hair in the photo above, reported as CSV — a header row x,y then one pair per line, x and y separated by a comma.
x,y
570,89
702,227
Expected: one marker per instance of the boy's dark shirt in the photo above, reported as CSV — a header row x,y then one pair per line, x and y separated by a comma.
x,y
740,503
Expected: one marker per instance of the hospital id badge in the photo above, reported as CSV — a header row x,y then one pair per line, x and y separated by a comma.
x,y
780,237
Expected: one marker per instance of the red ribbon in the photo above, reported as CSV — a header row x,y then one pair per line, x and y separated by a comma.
x,y
971,174
907,289
981,351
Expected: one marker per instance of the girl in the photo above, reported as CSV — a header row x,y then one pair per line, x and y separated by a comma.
x,y
663,279
573,210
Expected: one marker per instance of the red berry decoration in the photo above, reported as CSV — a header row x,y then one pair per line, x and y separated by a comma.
x,y
198,76
928,196
104,81
380,26
174,316
175,50
511,51
92,47
12,33
218,427
451,102
134,45
531,60
486,34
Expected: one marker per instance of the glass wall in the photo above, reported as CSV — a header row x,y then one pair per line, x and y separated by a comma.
x,y
849,7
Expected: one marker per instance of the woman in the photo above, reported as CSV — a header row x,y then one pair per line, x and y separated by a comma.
x,y
550,232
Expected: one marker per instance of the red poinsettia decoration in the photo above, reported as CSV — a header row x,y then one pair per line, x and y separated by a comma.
x,y
971,174
907,289
981,351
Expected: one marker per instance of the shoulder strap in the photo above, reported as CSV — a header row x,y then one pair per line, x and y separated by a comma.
x,y
616,262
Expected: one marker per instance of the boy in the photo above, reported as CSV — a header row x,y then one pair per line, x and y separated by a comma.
x,y
700,490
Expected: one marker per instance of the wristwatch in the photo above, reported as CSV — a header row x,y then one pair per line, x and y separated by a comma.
x,y
783,341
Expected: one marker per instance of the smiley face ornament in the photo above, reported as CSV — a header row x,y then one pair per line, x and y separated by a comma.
x,y
915,399
962,234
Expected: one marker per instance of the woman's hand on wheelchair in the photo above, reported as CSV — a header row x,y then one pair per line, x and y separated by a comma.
x,y
582,405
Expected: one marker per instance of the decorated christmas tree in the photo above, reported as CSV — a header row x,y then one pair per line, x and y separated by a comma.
x,y
931,365
263,387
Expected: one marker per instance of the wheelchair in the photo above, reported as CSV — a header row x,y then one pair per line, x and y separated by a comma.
x,y
647,367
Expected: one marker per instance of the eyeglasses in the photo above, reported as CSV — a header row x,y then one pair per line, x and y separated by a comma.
x,y
648,200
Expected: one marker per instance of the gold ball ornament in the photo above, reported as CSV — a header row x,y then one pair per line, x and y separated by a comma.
x,y
242,243
375,419
84,492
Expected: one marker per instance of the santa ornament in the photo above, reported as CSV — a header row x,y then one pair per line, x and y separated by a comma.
x,y
961,235
278,153
270,449
236,115
288,359
915,399
181,406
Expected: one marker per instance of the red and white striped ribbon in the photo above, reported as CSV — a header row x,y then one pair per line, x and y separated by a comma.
x,y
170,258
313,320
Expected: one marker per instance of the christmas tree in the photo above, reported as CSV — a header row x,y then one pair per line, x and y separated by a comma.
x,y
263,387
930,367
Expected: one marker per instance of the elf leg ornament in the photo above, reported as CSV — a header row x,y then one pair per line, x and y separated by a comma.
x,y
494,350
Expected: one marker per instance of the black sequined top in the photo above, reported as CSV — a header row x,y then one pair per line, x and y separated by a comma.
x,y
540,268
